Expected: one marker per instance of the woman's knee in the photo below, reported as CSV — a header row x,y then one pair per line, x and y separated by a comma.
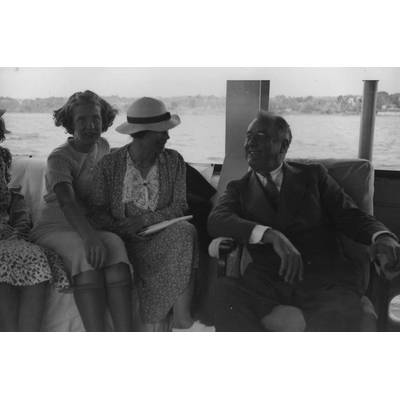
x,y
89,280
284,319
111,239
185,229
118,275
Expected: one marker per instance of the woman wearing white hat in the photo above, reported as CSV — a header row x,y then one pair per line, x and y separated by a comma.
x,y
142,184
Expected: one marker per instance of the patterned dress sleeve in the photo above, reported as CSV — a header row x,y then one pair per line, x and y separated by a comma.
x,y
100,215
20,218
178,205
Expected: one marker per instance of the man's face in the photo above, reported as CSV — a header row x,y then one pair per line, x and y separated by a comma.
x,y
264,151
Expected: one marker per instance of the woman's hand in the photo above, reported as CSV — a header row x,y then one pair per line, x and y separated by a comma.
x,y
95,251
131,226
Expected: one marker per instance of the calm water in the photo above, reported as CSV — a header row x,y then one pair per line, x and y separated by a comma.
x,y
201,138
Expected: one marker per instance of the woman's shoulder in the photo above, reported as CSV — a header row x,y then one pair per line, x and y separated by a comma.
x,y
62,150
115,156
173,155
103,144
61,156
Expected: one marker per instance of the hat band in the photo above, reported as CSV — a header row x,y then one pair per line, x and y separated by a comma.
x,y
149,120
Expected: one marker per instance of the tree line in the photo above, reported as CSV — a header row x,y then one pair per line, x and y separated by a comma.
x,y
281,104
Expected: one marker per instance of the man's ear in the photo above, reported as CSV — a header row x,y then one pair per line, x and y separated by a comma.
x,y
284,146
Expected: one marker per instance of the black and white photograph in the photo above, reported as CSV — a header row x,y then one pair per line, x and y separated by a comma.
x,y
196,202
199,200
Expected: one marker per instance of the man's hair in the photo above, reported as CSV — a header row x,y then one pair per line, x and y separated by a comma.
x,y
64,115
277,124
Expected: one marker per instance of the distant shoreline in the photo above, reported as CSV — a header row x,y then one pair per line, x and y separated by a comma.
x,y
386,103
216,113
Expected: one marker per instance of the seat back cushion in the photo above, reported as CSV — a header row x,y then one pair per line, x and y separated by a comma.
x,y
28,173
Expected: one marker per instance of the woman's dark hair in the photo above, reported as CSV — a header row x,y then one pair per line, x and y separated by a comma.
x,y
2,130
64,115
138,135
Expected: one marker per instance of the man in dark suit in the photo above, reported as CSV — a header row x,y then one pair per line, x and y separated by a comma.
x,y
288,215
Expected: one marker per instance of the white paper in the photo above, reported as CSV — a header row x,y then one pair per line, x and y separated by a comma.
x,y
162,225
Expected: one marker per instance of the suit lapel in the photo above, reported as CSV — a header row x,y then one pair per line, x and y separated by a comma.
x,y
294,187
256,203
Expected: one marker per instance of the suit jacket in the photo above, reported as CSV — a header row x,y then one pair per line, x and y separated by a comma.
x,y
312,210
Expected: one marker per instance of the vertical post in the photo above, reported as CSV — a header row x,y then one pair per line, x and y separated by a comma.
x,y
368,120
243,100
264,95
242,103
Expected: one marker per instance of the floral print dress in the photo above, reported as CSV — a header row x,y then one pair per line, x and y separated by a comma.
x,y
22,263
163,262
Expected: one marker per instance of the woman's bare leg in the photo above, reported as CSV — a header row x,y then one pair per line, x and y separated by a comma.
x,y
119,295
90,298
182,318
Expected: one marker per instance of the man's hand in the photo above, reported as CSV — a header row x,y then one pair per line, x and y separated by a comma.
x,y
291,262
386,251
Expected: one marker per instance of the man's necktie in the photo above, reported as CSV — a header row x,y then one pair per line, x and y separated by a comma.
x,y
272,190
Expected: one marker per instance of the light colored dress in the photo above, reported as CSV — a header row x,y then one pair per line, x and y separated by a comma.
x,y
163,262
65,164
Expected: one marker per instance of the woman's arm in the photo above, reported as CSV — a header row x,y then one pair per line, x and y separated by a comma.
x,y
59,179
95,250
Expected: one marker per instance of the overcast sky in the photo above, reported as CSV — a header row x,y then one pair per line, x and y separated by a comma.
x,y
164,82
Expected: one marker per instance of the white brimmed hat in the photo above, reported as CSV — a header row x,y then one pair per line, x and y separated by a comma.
x,y
148,114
